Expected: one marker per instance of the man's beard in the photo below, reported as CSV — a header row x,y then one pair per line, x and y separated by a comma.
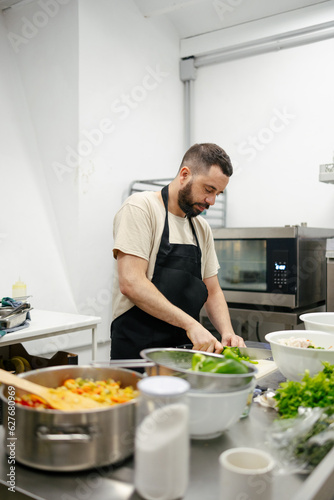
x,y
186,202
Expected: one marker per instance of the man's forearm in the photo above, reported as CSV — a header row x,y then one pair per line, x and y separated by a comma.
x,y
218,313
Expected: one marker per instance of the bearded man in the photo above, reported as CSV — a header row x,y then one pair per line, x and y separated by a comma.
x,y
167,268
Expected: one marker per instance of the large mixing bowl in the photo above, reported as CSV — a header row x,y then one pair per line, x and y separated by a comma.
x,y
321,321
177,362
69,441
210,414
293,361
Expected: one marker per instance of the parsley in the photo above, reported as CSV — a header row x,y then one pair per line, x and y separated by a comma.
x,y
316,391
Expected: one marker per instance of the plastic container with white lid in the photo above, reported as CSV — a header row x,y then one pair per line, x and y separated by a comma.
x,y
162,441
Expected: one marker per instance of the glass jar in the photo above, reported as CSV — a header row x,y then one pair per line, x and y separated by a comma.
x,y
162,440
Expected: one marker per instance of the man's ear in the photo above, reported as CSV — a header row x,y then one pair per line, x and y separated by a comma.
x,y
185,174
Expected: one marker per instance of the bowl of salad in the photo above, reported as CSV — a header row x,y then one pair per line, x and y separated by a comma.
x,y
295,351
320,321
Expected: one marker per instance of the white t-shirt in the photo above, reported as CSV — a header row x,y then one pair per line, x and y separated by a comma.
x,y
138,227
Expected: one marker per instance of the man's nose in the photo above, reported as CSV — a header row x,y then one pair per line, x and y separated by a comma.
x,y
210,199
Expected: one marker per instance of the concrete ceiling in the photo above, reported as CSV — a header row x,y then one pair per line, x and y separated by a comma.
x,y
196,17
191,18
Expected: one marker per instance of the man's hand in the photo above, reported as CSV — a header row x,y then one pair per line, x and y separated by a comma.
x,y
203,340
230,339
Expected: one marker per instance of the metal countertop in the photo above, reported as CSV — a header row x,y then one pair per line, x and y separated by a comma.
x,y
116,483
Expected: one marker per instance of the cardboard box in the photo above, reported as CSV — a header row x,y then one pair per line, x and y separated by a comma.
x,y
60,358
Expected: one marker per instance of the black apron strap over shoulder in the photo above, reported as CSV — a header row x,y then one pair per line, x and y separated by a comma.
x,y
165,234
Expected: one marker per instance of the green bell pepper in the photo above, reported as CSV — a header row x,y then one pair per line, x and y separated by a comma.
x,y
227,364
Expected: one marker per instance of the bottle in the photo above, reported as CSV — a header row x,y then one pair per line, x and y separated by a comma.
x,y
162,442
249,402
19,289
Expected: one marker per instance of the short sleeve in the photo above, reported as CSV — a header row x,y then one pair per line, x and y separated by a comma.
x,y
211,264
132,231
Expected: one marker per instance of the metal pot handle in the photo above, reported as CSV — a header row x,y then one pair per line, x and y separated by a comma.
x,y
64,437
125,363
45,434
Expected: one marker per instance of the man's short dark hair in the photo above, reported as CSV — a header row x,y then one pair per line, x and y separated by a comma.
x,y
203,156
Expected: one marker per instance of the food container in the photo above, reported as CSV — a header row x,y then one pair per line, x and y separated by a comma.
x,y
14,320
293,361
177,362
210,414
70,441
162,442
323,322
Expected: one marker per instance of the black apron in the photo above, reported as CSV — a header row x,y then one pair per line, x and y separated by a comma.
x,y
177,275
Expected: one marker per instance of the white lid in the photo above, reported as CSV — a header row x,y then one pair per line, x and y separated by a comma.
x,y
163,386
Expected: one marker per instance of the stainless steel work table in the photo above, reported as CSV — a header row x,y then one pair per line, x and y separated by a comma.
x,y
116,483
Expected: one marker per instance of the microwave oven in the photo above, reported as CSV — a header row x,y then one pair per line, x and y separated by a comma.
x,y
281,267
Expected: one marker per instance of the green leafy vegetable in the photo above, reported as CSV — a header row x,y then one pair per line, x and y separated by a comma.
x,y
316,391
303,441
318,441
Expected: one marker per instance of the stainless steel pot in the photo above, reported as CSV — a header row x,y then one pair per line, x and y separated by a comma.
x,y
70,441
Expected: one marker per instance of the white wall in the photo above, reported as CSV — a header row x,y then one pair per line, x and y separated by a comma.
x,y
100,88
30,247
273,113
130,88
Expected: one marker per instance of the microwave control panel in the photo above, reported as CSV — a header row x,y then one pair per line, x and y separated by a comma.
x,y
281,265
280,272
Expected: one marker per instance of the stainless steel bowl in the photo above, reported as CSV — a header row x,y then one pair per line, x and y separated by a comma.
x,y
177,362
69,441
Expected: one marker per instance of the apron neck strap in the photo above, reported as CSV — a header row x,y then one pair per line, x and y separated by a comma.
x,y
164,194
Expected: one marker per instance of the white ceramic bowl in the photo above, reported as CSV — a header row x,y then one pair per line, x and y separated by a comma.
x,y
322,321
293,361
213,413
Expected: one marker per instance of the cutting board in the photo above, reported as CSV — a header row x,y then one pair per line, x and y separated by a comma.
x,y
265,366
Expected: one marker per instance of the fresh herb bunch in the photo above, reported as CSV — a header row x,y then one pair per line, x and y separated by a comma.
x,y
318,441
316,391
300,443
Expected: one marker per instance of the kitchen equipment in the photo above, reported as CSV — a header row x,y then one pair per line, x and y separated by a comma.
x,y
11,317
19,288
162,438
246,473
293,361
67,401
172,361
330,275
210,414
323,322
70,441
281,267
14,310
262,356
263,367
